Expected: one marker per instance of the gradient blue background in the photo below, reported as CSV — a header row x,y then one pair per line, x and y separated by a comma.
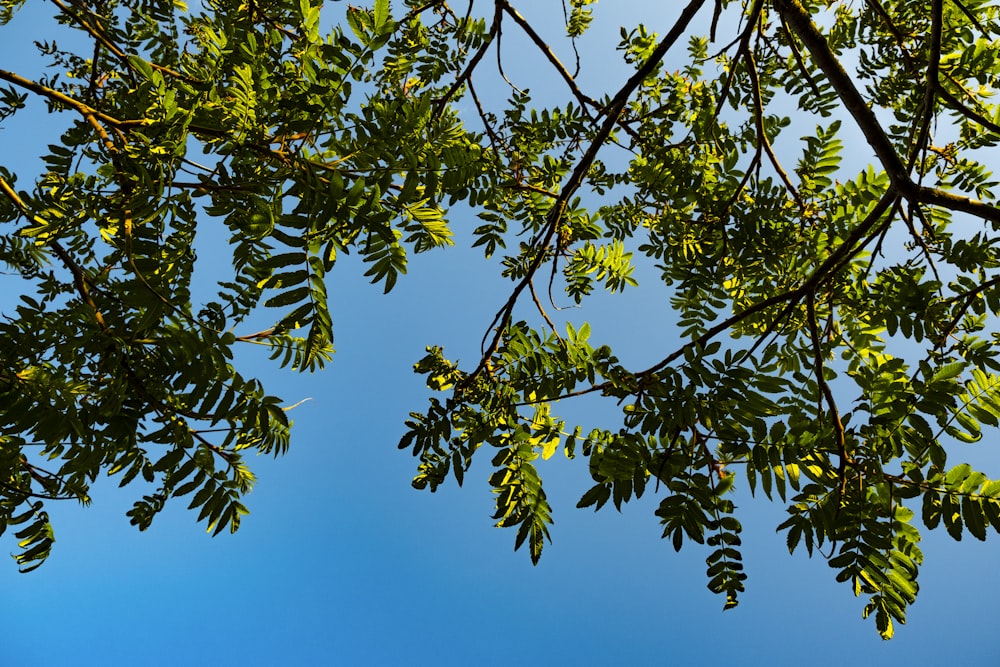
x,y
342,563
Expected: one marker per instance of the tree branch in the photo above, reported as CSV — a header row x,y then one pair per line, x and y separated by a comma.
x,y
838,425
583,99
807,32
467,72
83,109
612,114
98,34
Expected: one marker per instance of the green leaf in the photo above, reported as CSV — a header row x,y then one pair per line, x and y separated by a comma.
x,y
974,517
287,297
948,371
381,14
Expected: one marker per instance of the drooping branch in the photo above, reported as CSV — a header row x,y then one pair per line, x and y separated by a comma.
x,y
81,281
866,230
743,48
855,241
763,143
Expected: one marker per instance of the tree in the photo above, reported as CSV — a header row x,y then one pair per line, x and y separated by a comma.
x,y
859,304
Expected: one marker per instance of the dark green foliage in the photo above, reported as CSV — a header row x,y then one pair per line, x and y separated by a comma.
x,y
838,330
836,320
232,117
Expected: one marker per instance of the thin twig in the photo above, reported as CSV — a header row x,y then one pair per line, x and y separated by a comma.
x,y
923,121
98,34
838,425
467,72
538,305
763,140
583,99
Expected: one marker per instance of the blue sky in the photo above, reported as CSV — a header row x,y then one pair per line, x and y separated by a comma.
x,y
341,562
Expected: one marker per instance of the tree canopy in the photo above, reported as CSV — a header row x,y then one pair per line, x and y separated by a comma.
x,y
837,309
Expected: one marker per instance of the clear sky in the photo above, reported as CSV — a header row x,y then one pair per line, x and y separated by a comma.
x,y
341,562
